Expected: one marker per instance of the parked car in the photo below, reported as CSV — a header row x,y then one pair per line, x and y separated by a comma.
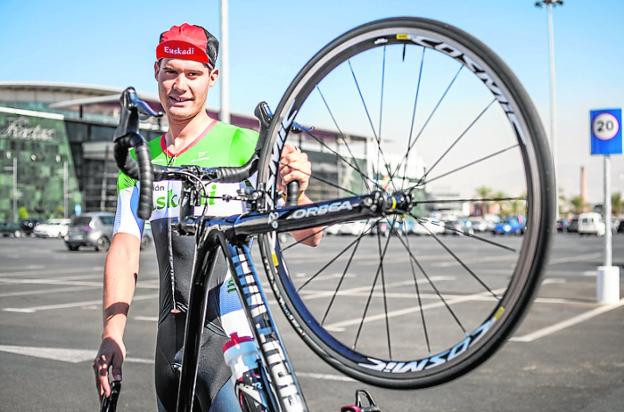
x,y
620,228
10,229
435,226
562,225
480,225
353,228
591,223
28,226
509,226
52,228
93,229
572,225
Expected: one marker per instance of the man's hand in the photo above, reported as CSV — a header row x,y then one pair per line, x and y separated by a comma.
x,y
111,355
294,165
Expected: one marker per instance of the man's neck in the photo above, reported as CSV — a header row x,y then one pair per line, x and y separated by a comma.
x,y
182,133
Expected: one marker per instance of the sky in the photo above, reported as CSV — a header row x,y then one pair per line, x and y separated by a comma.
x,y
112,43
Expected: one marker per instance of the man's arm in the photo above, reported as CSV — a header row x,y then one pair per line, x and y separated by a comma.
x,y
120,272
294,165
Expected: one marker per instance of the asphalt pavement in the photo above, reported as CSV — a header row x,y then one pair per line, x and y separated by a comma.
x,y
566,355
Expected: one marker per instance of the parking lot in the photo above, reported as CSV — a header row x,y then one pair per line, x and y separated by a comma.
x,y
567,354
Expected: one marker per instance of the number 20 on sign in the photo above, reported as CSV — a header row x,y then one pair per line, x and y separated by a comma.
x,y
606,131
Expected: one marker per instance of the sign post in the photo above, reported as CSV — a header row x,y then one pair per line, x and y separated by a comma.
x,y
606,139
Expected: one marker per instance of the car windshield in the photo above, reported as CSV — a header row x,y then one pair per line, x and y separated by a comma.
x,y
81,220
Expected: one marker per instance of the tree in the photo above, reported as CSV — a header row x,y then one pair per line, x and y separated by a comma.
x,y
503,205
483,192
577,205
617,203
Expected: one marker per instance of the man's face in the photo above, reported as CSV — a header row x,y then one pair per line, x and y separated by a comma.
x,y
183,87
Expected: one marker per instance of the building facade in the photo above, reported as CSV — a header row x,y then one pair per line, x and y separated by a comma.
x,y
56,150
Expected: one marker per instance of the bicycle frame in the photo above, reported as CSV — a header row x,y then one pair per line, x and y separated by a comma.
x,y
232,235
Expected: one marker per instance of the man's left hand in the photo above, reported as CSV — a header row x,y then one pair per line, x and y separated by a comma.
x,y
294,165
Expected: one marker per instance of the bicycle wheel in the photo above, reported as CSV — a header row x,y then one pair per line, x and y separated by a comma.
x,y
416,106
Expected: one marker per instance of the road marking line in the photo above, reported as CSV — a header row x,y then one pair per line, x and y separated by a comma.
x,y
311,294
70,305
84,355
540,333
46,291
575,258
339,326
147,318
324,376
149,284
53,271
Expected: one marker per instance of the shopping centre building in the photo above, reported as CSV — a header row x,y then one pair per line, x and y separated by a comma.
x,y
56,150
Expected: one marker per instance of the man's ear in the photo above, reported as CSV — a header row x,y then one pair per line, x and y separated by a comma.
x,y
156,69
214,74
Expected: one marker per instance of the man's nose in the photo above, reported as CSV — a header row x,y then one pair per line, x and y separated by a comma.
x,y
179,85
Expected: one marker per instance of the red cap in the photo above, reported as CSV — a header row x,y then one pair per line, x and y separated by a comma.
x,y
188,42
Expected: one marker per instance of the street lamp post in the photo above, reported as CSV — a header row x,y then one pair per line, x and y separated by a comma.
x,y
225,69
13,169
550,4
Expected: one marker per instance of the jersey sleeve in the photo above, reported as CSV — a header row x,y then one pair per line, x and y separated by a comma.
x,y
243,145
126,217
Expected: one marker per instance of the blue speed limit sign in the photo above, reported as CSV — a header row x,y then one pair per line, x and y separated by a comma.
x,y
606,131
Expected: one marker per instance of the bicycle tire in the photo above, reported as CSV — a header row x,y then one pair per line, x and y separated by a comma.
x,y
480,343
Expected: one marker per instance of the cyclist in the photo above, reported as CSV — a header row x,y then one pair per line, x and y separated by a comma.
x,y
185,71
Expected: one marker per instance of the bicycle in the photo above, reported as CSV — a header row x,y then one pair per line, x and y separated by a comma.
x,y
391,199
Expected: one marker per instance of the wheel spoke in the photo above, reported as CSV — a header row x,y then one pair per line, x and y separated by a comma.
x,y
370,295
472,199
435,289
365,232
354,166
428,119
344,274
467,165
409,141
420,305
423,177
342,137
320,179
461,262
452,229
316,232
370,122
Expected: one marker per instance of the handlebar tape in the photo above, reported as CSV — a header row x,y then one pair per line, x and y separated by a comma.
x,y
146,178
292,193
141,170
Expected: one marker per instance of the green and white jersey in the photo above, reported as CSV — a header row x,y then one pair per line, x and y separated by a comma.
x,y
219,145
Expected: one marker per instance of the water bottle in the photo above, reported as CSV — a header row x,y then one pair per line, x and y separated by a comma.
x,y
240,354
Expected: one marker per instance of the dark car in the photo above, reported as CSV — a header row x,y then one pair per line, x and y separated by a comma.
x,y
573,225
28,226
620,228
93,229
10,229
562,225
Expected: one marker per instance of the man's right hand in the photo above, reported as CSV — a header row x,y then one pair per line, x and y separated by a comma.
x,y
111,355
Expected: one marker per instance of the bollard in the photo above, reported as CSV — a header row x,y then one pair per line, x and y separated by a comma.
x,y
608,285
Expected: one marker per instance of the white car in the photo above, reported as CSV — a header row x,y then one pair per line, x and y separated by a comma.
x,y
52,228
435,227
591,224
353,228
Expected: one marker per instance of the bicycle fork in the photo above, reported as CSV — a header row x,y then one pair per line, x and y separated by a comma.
x,y
286,395
270,385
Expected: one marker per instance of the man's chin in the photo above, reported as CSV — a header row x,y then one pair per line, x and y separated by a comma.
x,y
180,114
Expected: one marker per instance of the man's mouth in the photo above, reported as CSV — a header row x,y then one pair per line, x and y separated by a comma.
x,y
178,100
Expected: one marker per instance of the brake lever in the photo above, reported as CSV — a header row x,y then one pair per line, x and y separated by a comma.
x,y
109,404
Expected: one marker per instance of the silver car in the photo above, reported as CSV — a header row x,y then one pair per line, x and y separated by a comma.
x,y
93,229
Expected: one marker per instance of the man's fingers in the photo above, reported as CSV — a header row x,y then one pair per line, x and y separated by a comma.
x,y
116,368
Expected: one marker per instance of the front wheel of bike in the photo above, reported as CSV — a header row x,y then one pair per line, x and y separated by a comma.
x,y
412,106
